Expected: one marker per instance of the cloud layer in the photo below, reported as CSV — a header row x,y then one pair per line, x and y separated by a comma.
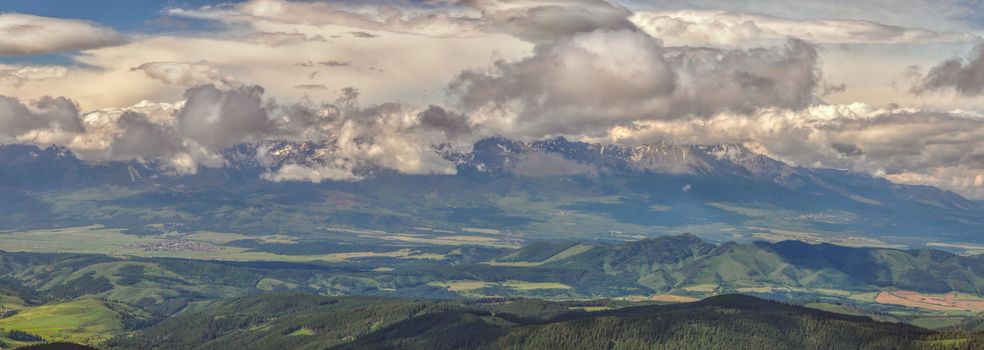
x,y
22,34
725,28
359,87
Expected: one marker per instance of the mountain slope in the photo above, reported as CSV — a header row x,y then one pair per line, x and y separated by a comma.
x,y
678,262
553,188
301,321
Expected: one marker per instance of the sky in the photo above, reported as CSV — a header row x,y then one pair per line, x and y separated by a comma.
x,y
891,88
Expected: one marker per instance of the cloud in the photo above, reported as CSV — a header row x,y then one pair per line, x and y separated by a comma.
x,y
963,75
596,80
368,18
724,28
311,87
186,74
540,21
538,164
22,34
300,173
217,118
935,14
141,138
531,20
450,123
944,149
363,35
46,120
277,39
17,76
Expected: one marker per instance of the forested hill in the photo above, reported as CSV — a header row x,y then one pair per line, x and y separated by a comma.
x,y
301,321
673,262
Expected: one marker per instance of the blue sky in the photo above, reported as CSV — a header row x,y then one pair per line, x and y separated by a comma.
x,y
123,15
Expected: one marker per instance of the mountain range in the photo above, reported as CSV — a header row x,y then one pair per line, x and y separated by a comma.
x,y
552,188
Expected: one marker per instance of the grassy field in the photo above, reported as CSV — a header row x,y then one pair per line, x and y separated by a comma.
x,y
937,322
10,302
526,286
301,332
84,321
591,308
566,253
443,240
198,245
469,285
401,253
460,286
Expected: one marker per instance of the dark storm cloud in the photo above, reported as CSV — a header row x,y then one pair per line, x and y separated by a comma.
x,y
217,118
143,138
963,75
47,113
438,118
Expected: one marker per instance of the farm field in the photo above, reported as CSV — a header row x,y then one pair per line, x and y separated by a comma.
x,y
936,302
198,245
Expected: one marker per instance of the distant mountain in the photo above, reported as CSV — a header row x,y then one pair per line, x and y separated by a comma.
x,y
298,321
551,188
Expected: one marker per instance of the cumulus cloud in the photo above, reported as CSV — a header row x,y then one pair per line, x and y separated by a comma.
x,y
595,80
907,145
139,137
963,75
316,173
725,28
17,76
22,34
595,71
218,118
186,74
46,120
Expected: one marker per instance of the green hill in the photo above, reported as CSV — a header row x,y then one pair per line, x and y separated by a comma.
x,y
300,321
678,262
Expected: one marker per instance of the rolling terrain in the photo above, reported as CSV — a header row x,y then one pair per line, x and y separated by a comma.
x,y
300,321
94,298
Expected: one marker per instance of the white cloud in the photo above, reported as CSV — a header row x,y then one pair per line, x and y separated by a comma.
x,y
723,28
374,18
278,39
187,74
17,76
22,34
595,80
905,145
316,173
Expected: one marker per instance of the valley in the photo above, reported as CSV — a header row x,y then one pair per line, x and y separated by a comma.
x,y
118,254
94,297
